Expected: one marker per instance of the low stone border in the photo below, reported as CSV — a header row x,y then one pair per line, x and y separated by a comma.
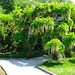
x,y
3,70
43,69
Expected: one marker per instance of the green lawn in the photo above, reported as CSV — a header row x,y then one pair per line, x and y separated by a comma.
x,y
63,67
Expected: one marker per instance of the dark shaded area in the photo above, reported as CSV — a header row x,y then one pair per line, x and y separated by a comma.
x,y
22,54
52,63
72,61
55,56
38,46
7,4
6,45
68,54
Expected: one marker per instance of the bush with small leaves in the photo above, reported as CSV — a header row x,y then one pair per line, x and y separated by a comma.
x,y
69,22
69,43
63,29
56,46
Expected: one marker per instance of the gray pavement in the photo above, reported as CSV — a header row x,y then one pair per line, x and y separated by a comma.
x,y
23,66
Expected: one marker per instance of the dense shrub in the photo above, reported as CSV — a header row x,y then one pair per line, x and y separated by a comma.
x,y
7,31
69,42
56,47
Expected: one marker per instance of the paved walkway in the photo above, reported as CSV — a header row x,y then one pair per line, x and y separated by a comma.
x,y
23,66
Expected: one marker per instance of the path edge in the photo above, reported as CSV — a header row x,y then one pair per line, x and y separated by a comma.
x,y
43,69
3,69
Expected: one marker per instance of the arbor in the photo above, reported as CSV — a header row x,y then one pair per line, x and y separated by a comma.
x,y
30,28
38,24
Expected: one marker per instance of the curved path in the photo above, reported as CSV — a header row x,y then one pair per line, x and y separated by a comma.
x,y
23,66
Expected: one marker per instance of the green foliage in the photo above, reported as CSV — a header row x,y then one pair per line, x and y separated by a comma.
x,y
25,3
43,22
12,54
37,22
59,1
69,21
54,43
42,8
48,36
70,1
10,4
1,10
33,40
5,18
73,13
63,29
69,41
66,8
7,4
30,28
16,13
7,31
54,8
73,28
31,3
57,48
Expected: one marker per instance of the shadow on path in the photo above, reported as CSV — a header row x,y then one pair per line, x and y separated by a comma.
x,y
26,63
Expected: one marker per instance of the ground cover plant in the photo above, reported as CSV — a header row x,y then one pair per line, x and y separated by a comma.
x,y
61,67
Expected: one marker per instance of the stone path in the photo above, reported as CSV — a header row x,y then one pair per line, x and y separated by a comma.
x,y
23,66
